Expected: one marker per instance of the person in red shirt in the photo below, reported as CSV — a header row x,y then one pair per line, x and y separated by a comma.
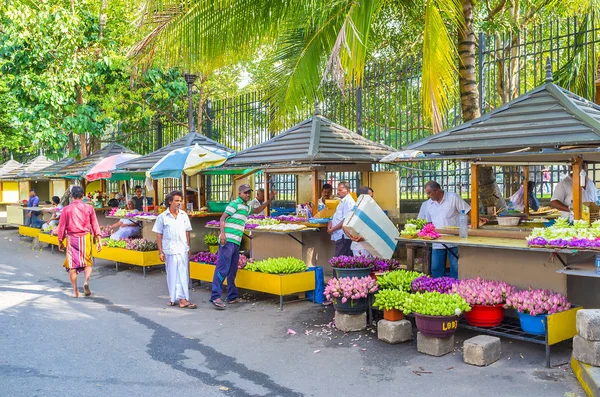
x,y
77,220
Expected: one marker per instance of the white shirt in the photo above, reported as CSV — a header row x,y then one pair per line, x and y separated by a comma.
x,y
173,230
444,213
254,203
343,209
563,192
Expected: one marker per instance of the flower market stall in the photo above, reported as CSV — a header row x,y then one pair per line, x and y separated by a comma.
x,y
309,150
9,191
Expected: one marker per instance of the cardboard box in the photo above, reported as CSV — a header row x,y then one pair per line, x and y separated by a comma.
x,y
370,222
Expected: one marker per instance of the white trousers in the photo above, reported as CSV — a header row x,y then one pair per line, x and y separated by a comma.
x,y
177,276
126,232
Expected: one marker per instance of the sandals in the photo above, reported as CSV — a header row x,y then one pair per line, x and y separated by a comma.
x,y
219,305
169,303
237,300
188,306
86,290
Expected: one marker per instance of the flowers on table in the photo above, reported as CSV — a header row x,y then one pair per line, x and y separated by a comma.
x,y
205,257
435,304
277,266
560,235
398,279
105,231
425,283
428,231
536,301
347,288
133,244
362,262
478,291
410,230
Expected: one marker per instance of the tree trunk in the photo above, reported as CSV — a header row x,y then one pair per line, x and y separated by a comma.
x,y
103,18
82,140
489,192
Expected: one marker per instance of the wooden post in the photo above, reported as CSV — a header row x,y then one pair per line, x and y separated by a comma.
x,y
155,193
267,192
474,197
315,192
526,189
202,190
577,167
184,189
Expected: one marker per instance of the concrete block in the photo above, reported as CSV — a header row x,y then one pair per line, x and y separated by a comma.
x,y
434,346
586,351
350,322
481,350
588,324
394,331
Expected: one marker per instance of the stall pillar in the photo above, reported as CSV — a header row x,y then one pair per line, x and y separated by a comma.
x,y
267,193
526,189
184,188
577,167
474,197
202,190
155,193
315,192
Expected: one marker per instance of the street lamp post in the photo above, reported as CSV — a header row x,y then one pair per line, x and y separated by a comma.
x,y
190,79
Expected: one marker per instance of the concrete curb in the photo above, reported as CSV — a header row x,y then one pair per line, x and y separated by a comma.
x,y
588,377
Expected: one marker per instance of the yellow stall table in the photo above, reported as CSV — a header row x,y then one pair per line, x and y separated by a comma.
x,y
48,239
26,231
121,255
275,284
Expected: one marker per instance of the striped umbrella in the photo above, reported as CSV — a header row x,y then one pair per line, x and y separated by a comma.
x,y
103,170
189,160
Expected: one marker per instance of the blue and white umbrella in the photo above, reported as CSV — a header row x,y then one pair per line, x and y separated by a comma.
x,y
189,160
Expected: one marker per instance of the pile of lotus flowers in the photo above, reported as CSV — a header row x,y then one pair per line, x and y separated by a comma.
x,y
477,291
536,301
347,288
428,231
427,284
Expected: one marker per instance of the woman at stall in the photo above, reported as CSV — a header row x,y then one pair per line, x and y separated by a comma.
x,y
518,201
55,211
126,228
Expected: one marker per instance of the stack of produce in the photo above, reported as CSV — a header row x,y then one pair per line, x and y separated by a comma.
x,y
412,227
561,234
277,266
205,257
536,301
282,227
425,283
133,244
477,291
359,262
398,279
435,304
428,232
288,218
349,288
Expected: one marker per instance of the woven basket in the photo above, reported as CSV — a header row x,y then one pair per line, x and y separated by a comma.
x,y
508,220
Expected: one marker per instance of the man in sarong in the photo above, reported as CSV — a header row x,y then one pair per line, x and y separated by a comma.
x,y
172,229
77,220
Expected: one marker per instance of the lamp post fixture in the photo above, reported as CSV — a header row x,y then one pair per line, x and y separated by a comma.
x,y
190,79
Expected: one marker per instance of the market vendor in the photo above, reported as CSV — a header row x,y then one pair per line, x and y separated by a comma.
x,y
55,211
518,201
32,217
138,199
258,204
126,228
326,194
343,244
443,209
562,198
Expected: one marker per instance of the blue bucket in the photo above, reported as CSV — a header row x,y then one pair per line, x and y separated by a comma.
x,y
317,296
535,325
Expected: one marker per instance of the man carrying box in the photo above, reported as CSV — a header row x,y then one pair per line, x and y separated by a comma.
x,y
357,248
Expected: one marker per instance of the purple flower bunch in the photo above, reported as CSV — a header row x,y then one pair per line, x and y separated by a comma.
x,y
385,265
133,214
427,284
212,223
140,244
205,257
251,225
581,243
256,217
537,241
349,288
287,218
351,262
477,291
558,243
105,231
536,301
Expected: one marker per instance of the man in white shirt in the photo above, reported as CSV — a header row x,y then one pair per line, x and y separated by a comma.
x,y
562,198
172,229
443,209
357,248
258,204
342,242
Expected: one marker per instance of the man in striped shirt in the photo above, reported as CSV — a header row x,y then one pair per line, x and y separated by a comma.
x,y
232,225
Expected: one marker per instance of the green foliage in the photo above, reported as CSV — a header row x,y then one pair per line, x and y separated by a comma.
x,y
277,266
398,279
390,299
211,239
435,304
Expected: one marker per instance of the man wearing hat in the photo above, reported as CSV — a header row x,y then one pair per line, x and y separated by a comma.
x,y
232,225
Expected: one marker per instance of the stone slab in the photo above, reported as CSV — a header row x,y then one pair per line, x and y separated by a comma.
x,y
394,331
434,346
350,322
481,350
586,351
588,324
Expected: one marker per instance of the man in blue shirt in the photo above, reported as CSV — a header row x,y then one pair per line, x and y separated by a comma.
x,y
32,218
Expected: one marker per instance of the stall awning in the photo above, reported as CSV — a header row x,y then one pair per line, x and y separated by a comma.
x,y
142,164
548,117
79,168
316,139
23,172
47,172
9,166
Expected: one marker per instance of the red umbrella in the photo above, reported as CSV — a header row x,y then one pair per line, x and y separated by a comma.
x,y
103,170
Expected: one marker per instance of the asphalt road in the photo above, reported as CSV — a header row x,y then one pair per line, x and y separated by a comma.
x,y
124,341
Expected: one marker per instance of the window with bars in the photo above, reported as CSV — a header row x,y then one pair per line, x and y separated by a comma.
x,y
333,178
218,187
169,184
284,184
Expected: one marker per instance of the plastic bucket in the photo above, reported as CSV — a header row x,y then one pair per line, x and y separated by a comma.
x,y
485,316
535,325
343,272
437,326
356,306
